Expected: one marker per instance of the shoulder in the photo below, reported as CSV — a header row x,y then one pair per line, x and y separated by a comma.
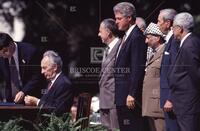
x,y
136,32
28,50
64,80
26,47
193,41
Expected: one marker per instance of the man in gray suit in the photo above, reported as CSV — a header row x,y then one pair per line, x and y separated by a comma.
x,y
108,33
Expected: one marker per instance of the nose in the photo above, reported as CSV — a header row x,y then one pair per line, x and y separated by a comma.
x,y
146,40
42,71
116,21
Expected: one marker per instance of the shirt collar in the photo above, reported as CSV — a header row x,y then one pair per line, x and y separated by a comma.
x,y
184,38
54,79
158,48
127,33
168,36
112,44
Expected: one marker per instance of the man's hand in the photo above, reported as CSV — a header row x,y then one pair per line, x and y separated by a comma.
x,y
31,100
19,97
168,106
130,102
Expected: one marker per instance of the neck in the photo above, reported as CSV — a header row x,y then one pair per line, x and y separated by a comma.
x,y
110,40
184,34
166,32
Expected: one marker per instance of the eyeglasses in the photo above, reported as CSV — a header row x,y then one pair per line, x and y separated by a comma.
x,y
176,26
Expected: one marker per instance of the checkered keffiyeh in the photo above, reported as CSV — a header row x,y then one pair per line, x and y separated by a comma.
x,y
153,29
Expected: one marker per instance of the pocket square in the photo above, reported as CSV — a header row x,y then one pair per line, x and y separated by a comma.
x,y
23,61
166,53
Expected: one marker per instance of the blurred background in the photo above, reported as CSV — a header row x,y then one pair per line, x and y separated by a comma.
x,y
70,27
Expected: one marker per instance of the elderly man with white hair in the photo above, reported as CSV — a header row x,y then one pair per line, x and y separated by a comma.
x,y
165,23
59,92
184,77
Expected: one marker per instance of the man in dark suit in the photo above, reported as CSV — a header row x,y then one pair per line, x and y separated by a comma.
x,y
165,22
184,77
130,66
59,92
19,68
108,33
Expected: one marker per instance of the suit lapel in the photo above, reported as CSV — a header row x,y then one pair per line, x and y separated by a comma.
x,y
126,42
52,89
168,45
21,61
6,65
157,55
110,56
57,81
180,49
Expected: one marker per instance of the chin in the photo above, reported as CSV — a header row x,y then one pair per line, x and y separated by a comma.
x,y
119,28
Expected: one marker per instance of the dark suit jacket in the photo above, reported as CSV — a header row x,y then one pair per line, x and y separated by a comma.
x,y
168,59
59,96
107,81
131,58
184,78
29,68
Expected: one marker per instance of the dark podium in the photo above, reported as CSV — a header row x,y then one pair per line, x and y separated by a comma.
x,y
12,111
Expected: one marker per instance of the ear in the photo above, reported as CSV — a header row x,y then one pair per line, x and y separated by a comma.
x,y
55,67
158,38
110,34
168,22
129,18
181,29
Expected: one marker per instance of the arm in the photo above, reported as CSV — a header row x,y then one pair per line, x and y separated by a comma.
x,y
62,99
137,61
30,74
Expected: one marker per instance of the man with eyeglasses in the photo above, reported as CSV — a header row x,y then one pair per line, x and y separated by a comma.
x,y
184,77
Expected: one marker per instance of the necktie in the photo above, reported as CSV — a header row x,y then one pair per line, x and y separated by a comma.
x,y
105,53
14,76
120,46
49,86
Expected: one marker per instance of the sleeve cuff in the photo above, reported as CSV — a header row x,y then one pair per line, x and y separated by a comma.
x,y
38,101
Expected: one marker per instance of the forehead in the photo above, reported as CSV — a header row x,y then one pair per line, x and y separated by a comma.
x,y
45,61
102,26
160,16
150,36
118,15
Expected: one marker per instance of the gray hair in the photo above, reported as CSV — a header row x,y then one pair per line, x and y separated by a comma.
x,y
168,14
126,9
141,22
184,20
111,25
54,58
